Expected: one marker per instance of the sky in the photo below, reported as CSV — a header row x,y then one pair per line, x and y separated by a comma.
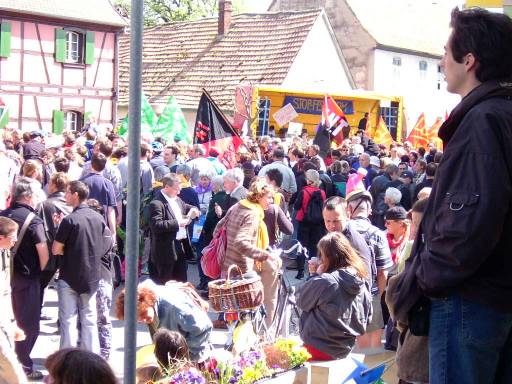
x,y
258,5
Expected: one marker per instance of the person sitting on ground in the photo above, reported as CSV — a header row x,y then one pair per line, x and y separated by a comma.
x,y
336,301
78,366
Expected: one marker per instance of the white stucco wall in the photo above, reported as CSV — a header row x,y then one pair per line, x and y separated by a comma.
x,y
317,67
419,89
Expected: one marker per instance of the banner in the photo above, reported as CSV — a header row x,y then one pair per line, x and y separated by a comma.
x,y
313,106
433,133
285,115
334,120
419,135
212,129
148,119
381,134
171,124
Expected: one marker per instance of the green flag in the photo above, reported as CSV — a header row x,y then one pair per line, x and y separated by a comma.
x,y
148,119
4,114
171,124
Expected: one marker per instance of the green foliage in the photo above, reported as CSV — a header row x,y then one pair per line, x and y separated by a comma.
x,y
158,12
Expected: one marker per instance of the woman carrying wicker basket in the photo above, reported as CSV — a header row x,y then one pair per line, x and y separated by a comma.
x,y
247,241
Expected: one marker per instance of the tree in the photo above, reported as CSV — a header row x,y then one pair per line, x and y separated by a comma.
x,y
158,12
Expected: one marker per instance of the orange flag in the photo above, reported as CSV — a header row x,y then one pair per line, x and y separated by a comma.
x,y
369,131
419,135
433,133
381,134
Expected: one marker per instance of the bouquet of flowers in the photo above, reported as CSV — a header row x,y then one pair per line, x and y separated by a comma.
x,y
285,354
246,369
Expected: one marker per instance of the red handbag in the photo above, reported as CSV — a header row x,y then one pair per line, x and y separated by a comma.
x,y
213,254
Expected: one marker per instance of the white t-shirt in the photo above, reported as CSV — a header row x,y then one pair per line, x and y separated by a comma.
x,y
176,210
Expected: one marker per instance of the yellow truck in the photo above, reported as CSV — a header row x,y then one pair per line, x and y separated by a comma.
x,y
270,109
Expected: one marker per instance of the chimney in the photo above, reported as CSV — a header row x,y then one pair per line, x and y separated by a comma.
x,y
225,9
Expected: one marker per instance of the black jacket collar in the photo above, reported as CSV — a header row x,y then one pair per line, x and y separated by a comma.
x,y
487,90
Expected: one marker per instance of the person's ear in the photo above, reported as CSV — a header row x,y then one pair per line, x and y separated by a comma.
x,y
470,62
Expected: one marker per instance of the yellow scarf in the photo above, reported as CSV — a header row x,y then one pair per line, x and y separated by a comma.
x,y
184,183
262,236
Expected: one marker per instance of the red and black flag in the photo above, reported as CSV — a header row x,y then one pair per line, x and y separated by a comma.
x,y
213,129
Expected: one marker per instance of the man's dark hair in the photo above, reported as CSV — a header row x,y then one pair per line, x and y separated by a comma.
x,y
98,162
105,147
81,188
431,169
332,202
391,169
276,176
278,153
421,162
174,149
61,164
421,151
335,153
486,35
309,165
438,157
119,153
299,153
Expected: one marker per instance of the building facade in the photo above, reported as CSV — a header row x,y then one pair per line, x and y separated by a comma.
x,y
59,69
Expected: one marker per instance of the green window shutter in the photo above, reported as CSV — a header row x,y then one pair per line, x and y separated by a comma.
x,y
58,122
89,47
60,45
5,39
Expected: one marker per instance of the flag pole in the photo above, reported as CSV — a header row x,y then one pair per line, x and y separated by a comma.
x,y
133,198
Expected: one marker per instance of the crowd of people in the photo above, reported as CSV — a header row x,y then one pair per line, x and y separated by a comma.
x,y
407,241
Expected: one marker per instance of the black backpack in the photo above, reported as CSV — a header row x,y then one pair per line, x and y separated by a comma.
x,y
313,213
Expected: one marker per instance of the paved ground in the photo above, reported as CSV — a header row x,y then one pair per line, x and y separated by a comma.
x,y
48,341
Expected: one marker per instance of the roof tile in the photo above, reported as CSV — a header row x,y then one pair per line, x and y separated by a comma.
x,y
179,59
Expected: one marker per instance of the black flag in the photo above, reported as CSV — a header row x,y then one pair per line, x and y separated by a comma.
x,y
213,129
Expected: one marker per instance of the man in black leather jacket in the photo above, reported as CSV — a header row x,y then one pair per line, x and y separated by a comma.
x,y
461,259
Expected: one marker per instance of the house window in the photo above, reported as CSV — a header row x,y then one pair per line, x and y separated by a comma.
x,y
397,61
423,65
74,43
72,120
74,46
390,117
263,117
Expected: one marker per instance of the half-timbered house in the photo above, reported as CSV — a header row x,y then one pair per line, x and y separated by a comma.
x,y
59,62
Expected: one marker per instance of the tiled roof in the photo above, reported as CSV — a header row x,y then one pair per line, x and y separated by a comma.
x,y
180,59
92,11
415,25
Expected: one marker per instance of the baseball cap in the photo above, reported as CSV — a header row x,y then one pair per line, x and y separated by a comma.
x,y
407,174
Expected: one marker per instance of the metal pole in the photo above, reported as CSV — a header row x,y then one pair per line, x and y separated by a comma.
x,y
132,208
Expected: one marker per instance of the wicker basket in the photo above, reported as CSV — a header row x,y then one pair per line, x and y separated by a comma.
x,y
227,295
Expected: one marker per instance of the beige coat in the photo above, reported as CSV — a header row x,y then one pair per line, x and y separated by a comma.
x,y
241,234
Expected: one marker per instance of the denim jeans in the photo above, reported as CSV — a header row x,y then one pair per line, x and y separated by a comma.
x,y
103,305
469,343
70,304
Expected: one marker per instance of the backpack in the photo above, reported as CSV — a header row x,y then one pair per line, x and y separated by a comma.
x,y
144,214
313,212
367,235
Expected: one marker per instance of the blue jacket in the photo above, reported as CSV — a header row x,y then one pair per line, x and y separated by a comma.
x,y
177,312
